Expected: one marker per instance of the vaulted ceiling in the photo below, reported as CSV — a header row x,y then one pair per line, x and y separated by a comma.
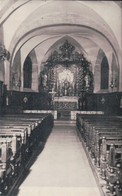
x,y
23,20
39,24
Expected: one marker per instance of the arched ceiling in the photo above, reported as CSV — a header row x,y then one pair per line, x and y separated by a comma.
x,y
7,7
33,19
87,38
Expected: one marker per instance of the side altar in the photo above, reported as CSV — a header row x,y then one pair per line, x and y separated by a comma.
x,y
65,103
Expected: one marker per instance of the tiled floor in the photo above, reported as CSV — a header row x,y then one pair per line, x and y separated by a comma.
x,y
62,169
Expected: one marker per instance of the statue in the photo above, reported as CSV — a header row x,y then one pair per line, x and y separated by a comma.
x,y
64,89
43,81
70,91
52,95
82,101
67,89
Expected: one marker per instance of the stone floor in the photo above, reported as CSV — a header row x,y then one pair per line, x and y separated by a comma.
x,y
62,169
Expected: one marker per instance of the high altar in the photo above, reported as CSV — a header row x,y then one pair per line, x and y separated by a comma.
x,y
65,75
65,103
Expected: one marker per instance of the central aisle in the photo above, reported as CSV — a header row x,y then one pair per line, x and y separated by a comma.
x,y
62,169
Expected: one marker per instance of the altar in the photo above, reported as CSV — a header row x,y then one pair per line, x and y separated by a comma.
x,y
66,74
65,103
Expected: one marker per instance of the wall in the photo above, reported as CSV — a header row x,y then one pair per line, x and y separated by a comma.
x,y
19,101
107,102
3,97
15,75
1,61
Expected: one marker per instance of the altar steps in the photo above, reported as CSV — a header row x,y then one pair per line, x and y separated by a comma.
x,y
64,123
64,115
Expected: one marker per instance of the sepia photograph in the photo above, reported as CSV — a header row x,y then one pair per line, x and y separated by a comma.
x,y
60,98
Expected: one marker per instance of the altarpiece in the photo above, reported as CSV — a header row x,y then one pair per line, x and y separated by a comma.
x,y
66,76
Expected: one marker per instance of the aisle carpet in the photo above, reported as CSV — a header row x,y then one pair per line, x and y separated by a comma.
x,y
62,169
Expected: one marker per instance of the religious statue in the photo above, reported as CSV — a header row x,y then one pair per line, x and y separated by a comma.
x,y
70,91
82,101
43,81
67,89
52,94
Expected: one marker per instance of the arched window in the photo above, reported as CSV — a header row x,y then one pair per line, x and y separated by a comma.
x,y
104,73
27,71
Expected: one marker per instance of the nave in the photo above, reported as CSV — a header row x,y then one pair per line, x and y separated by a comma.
x,y
62,168
60,59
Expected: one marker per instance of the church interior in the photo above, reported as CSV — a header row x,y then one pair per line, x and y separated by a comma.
x,y
60,98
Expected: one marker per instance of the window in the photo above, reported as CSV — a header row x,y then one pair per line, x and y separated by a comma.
x,y
27,70
104,73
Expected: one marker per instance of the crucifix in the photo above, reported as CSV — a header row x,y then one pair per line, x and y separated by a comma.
x,y
52,93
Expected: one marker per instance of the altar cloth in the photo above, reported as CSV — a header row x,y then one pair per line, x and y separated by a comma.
x,y
66,103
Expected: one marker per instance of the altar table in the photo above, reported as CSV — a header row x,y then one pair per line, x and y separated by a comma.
x,y
66,103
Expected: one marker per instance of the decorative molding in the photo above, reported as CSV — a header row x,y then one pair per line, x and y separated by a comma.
x,y
66,56
4,54
15,82
67,71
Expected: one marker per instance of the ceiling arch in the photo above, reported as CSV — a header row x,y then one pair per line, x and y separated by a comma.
x,y
59,43
8,7
44,13
90,22
41,34
70,39
40,17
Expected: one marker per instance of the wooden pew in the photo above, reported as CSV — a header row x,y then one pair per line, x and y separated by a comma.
x,y
114,169
28,130
103,138
105,152
5,166
21,145
35,125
